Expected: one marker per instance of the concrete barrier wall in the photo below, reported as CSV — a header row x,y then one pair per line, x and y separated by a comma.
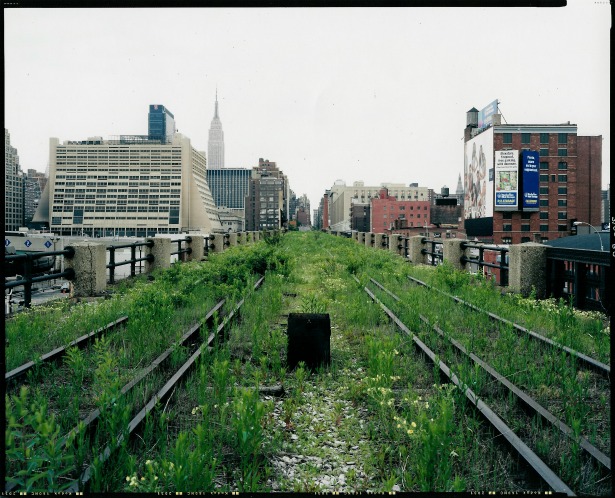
x,y
90,260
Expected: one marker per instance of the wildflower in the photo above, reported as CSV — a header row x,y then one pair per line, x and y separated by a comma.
x,y
426,405
398,426
413,424
149,462
453,454
410,432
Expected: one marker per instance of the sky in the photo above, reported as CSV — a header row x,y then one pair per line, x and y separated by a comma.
x,y
371,94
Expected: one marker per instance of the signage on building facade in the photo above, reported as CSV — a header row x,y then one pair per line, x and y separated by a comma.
x,y
529,180
506,180
485,116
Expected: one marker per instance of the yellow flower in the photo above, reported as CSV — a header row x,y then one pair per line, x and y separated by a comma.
x,y
410,431
413,424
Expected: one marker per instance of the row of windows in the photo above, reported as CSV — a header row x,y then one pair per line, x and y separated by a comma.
x,y
562,138
560,165
526,228
560,178
403,208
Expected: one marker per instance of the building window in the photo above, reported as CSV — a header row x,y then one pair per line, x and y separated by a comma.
x,y
552,178
525,138
507,138
562,152
544,190
562,138
544,202
544,178
562,228
525,228
507,216
544,152
562,202
544,138
525,239
562,165
507,228
544,215
506,240
562,190
562,178
544,165
562,215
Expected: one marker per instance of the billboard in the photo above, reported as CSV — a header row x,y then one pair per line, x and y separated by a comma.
x,y
478,176
506,180
485,116
529,179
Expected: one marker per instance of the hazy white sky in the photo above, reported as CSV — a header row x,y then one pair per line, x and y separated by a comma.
x,y
372,94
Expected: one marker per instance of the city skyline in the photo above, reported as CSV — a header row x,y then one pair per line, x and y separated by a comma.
x,y
381,98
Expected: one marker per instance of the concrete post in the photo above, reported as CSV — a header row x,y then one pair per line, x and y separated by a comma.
x,y
354,235
394,243
369,239
216,242
241,239
256,236
90,266
361,238
528,269
198,248
161,252
248,236
414,250
452,252
232,239
378,240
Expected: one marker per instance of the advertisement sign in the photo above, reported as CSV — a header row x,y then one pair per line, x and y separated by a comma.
x,y
506,180
530,179
478,186
485,116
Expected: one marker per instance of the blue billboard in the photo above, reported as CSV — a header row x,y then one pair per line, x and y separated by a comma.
x,y
530,179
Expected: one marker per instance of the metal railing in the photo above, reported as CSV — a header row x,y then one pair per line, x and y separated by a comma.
x,y
481,263
581,276
27,277
436,251
133,257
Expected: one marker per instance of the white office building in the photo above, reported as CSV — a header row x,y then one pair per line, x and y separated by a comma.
x,y
127,186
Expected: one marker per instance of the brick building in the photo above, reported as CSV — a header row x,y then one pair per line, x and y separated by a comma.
x,y
388,214
568,186
267,202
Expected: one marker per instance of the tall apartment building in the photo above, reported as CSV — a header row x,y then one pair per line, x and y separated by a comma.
x,y
160,123
267,202
34,185
527,179
13,187
127,186
342,197
606,205
215,145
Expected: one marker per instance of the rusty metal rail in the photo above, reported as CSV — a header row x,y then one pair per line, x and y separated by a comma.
x,y
162,395
526,399
533,460
57,353
587,361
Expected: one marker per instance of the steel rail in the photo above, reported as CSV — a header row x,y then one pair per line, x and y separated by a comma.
x,y
521,395
163,394
524,451
57,353
89,423
589,362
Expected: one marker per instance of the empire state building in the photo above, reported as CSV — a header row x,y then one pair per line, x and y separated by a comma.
x,y
215,146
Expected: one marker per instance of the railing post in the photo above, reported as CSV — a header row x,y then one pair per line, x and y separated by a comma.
x,y
27,287
232,239
111,265
197,244
528,268
369,239
452,251
414,250
579,285
133,256
216,242
90,266
503,271
161,252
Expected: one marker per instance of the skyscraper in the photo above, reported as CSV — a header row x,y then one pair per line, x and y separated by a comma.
x,y
13,186
160,124
215,146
